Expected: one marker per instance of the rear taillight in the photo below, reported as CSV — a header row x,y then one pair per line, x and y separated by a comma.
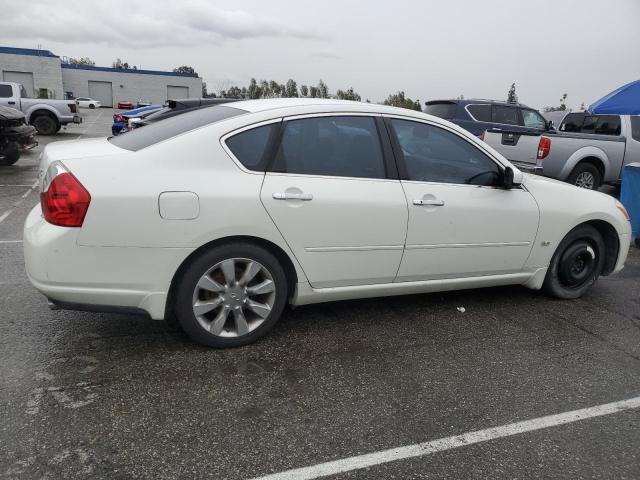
x,y
72,107
544,146
63,199
117,118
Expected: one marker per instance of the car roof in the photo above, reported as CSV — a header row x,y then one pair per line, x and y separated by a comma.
x,y
467,101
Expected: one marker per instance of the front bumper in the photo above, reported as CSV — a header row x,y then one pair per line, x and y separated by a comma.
x,y
625,243
97,278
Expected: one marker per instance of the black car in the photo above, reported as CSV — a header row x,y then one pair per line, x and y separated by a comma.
x,y
15,135
477,116
177,107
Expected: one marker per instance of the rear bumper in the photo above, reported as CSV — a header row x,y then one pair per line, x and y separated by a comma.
x,y
97,278
528,167
66,119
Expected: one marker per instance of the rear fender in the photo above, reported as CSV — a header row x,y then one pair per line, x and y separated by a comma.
x,y
581,154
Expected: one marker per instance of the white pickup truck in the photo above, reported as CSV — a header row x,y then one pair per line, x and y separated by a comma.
x,y
587,150
46,115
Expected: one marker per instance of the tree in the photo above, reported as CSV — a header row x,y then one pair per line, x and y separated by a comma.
x,y
313,92
562,107
274,87
185,69
323,90
304,91
512,96
400,100
291,89
120,64
265,89
82,61
254,91
348,95
233,92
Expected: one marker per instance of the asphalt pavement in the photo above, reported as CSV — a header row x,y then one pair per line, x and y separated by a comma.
x,y
86,395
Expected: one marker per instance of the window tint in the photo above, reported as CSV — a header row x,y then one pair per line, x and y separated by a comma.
x,y
572,122
635,128
6,91
506,115
250,146
143,137
333,146
589,124
481,113
432,154
533,119
441,109
608,125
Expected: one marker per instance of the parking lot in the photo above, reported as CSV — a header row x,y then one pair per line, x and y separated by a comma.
x,y
104,395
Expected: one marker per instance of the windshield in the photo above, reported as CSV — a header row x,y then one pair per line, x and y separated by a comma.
x,y
171,127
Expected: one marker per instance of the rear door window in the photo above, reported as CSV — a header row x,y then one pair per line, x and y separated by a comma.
x,y
446,110
506,115
608,125
482,113
340,146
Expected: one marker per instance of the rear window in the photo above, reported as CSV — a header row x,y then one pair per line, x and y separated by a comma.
x,y
482,113
171,127
441,109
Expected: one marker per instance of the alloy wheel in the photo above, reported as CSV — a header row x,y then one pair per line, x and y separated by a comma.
x,y
585,180
234,297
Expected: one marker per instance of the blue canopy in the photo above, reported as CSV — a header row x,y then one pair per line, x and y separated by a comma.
x,y
622,101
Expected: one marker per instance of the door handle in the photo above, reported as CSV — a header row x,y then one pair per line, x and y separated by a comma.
x,y
11,103
432,202
292,196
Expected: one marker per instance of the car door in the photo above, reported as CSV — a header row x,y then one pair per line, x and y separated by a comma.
x,y
332,195
462,223
6,97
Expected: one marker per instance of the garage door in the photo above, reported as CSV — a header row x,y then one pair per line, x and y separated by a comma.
x,y
175,92
25,78
102,92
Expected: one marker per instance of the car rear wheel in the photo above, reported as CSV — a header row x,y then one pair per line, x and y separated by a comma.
x,y
45,125
586,175
92,106
9,154
231,295
576,264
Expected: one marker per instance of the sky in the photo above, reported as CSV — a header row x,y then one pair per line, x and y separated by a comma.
x,y
429,49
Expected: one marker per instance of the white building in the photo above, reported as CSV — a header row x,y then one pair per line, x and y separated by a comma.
x,y
43,74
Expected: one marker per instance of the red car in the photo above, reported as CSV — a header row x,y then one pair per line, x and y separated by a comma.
x,y
125,105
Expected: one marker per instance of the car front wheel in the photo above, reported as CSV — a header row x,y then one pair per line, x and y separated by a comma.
x,y
576,264
231,295
92,106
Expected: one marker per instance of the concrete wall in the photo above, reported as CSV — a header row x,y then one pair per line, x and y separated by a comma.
x,y
129,86
46,71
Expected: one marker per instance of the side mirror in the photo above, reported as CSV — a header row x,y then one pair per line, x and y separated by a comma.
x,y
550,125
511,179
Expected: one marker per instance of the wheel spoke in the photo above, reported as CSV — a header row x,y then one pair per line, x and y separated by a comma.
x,y
218,323
202,307
261,309
241,322
250,272
207,283
261,288
228,268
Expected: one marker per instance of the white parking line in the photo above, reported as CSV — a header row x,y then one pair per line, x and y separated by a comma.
x,y
4,216
10,241
448,443
90,125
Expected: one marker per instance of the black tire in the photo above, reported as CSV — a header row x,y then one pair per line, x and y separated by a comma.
x,y
92,106
576,264
584,171
45,124
188,281
9,154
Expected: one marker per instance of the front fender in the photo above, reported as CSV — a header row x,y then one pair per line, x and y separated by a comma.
x,y
581,154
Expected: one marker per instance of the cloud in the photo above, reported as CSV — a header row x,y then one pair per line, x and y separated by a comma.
x,y
326,54
143,24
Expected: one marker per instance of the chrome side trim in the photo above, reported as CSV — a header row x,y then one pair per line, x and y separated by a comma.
x,y
364,248
468,245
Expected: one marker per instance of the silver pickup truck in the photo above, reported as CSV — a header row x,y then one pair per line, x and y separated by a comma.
x,y
48,116
587,150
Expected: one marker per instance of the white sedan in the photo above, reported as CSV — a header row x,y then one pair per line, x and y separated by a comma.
x,y
84,102
224,215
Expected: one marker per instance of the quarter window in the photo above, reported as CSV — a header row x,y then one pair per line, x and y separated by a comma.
x,y
608,125
533,119
481,113
6,91
250,146
333,146
432,154
505,115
